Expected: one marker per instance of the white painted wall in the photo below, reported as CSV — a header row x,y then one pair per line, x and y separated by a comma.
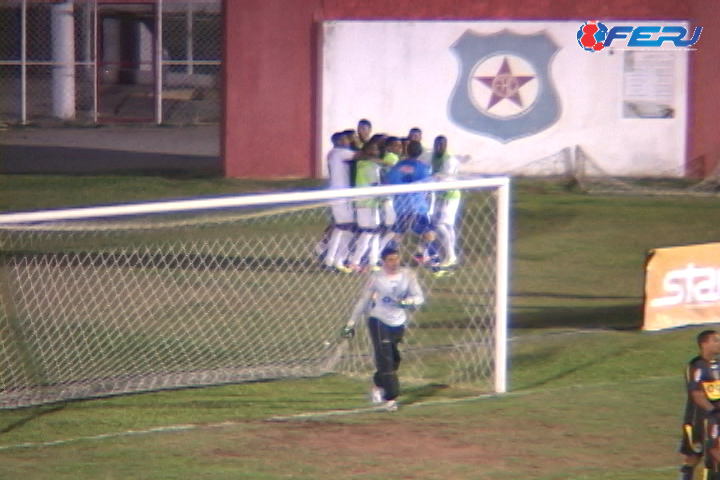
x,y
402,74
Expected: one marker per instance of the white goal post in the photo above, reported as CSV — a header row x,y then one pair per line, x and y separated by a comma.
x,y
111,300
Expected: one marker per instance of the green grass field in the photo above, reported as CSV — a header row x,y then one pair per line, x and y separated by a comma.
x,y
591,397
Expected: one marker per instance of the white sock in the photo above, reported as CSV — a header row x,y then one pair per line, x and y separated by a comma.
x,y
343,249
447,237
333,250
451,241
361,247
374,255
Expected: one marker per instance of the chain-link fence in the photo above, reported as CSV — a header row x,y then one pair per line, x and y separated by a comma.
x,y
89,62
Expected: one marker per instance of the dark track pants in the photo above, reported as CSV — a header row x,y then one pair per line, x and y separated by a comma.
x,y
385,342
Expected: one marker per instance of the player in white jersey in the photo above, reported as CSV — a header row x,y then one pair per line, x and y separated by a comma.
x,y
386,297
340,160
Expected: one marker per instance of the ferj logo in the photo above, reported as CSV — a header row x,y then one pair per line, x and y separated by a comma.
x,y
593,36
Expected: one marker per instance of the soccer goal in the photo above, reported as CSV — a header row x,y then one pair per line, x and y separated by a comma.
x,y
111,300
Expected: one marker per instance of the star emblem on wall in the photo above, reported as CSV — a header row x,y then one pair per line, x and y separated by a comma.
x,y
504,85
504,88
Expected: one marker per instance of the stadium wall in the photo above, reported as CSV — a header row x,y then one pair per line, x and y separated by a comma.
x,y
272,74
704,96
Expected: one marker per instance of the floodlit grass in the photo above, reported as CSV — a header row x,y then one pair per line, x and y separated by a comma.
x,y
591,397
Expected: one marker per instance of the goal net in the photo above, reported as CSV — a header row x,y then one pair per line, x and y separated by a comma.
x,y
141,297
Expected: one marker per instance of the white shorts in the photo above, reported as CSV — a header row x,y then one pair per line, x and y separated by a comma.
x,y
368,217
342,211
448,211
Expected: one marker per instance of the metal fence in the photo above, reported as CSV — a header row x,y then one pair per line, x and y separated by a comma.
x,y
94,61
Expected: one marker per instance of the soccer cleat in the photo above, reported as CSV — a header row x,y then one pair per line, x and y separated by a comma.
x,y
344,269
331,268
441,273
449,262
376,395
390,406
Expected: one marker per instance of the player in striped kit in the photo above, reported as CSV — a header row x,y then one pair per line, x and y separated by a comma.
x,y
386,297
701,425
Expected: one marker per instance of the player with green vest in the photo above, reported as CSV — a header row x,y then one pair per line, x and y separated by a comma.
x,y
393,150
367,212
447,202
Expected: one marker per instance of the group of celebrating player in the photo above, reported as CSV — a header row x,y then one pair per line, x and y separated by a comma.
x,y
366,235
364,228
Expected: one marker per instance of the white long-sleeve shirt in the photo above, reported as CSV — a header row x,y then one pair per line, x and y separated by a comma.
x,y
339,160
381,295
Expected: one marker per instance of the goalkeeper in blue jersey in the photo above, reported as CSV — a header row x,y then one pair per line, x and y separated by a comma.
x,y
412,210
386,297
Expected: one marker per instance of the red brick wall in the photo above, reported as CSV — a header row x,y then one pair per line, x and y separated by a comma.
x,y
268,126
271,59
503,9
703,152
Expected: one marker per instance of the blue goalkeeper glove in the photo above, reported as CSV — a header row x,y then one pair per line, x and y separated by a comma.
x,y
347,332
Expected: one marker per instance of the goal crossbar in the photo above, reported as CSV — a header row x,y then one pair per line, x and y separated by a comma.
x,y
263,199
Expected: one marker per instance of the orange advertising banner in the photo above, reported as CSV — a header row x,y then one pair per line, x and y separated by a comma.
x,y
682,286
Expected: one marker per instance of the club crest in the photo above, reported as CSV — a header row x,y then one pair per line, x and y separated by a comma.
x,y
504,89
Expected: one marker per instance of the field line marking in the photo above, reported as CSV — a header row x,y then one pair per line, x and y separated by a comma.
x,y
306,415
484,396
102,436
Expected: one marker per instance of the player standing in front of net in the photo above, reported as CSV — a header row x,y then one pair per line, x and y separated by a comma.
x,y
388,294
701,425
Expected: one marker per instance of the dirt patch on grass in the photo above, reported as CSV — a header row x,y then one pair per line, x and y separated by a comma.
x,y
406,448
378,441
